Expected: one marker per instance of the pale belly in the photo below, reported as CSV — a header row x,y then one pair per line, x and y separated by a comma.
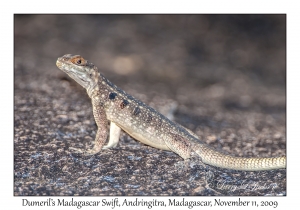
x,y
147,138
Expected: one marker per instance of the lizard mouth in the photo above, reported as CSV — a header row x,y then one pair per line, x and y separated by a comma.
x,y
58,64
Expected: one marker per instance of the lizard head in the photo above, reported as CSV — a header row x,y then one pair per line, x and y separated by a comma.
x,y
79,69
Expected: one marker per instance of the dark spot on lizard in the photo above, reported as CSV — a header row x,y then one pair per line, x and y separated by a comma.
x,y
123,104
112,95
158,122
130,97
136,111
148,118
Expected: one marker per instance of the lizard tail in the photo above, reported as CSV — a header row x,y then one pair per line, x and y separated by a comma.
x,y
215,158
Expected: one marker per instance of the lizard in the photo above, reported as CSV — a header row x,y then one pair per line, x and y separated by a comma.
x,y
145,124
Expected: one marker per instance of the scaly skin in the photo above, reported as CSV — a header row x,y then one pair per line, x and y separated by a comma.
x,y
146,124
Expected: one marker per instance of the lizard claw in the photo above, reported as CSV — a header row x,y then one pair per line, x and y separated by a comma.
x,y
79,151
91,152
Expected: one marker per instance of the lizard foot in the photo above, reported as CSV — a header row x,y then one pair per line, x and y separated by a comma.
x,y
76,150
182,166
91,151
108,146
85,152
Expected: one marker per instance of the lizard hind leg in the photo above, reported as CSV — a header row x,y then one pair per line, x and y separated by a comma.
x,y
182,147
114,136
179,145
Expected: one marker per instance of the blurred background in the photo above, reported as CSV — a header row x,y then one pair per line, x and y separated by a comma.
x,y
202,48
224,76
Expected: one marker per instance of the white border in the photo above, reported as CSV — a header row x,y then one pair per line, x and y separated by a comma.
x,y
154,6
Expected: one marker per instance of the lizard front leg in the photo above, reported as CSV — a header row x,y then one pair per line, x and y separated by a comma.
x,y
102,132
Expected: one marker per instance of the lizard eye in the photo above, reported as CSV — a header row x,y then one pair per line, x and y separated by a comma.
x,y
78,61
